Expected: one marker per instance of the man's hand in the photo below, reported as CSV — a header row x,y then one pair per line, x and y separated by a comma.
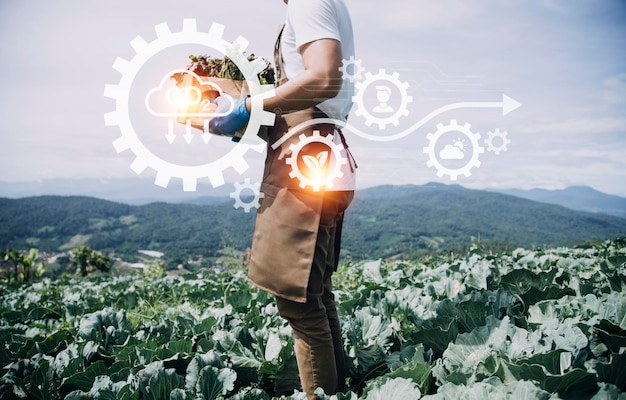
x,y
230,123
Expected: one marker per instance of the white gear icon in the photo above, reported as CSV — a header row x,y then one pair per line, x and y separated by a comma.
x,y
256,190
434,162
121,92
357,69
359,99
497,134
335,172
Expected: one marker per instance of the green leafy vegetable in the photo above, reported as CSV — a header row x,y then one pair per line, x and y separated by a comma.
x,y
205,65
526,324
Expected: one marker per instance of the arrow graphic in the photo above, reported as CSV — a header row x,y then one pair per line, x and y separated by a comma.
x,y
507,105
206,134
188,135
170,131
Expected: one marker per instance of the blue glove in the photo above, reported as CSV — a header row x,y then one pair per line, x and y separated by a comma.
x,y
230,123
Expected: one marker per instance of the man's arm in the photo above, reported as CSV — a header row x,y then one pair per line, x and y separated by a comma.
x,y
320,80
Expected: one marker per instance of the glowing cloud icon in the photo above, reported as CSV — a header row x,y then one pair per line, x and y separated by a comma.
x,y
192,100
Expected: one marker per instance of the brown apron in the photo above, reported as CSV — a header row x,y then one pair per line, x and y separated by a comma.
x,y
288,218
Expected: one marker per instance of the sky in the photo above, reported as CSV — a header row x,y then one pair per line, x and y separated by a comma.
x,y
446,63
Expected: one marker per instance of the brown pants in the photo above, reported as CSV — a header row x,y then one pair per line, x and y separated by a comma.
x,y
315,324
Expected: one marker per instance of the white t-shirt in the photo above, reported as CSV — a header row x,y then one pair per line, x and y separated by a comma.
x,y
310,20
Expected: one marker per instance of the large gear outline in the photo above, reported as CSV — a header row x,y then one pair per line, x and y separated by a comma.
x,y
453,127
357,69
336,149
144,158
503,137
359,99
256,190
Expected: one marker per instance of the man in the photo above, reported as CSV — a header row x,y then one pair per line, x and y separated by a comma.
x,y
297,232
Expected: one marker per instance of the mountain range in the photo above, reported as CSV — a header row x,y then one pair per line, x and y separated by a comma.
x,y
142,190
384,221
581,198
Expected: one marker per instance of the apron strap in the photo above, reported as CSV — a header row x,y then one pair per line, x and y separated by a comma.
x,y
281,76
351,160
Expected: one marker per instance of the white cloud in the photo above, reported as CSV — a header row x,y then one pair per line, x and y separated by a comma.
x,y
587,126
618,81
615,89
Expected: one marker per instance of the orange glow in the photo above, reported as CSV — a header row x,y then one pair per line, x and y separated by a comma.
x,y
190,96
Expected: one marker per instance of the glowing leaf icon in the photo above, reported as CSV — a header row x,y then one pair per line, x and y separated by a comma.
x,y
316,163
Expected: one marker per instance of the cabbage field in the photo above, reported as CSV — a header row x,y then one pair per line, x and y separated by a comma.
x,y
530,324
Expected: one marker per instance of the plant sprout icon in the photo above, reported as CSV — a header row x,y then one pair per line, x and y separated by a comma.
x,y
316,160
316,164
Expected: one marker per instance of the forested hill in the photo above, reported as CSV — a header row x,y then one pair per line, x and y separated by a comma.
x,y
389,220
382,222
181,231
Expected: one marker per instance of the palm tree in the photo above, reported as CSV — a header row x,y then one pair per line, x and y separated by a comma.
x,y
88,260
11,257
31,266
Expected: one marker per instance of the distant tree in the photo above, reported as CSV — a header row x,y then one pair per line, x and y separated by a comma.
x,y
32,266
26,266
154,269
10,258
88,260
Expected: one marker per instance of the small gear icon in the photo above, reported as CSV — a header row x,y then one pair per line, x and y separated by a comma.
x,y
394,117
246,185
434,161
335,172
121,93
357,69
505,141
